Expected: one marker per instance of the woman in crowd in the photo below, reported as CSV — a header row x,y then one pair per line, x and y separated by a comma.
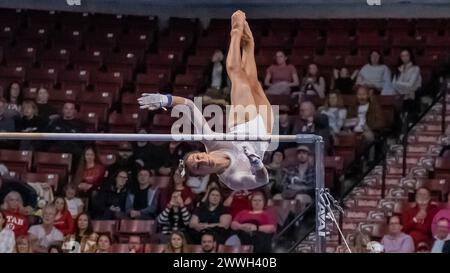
x,y
313,84
63,220
210,215
256,226
177,243
111,199
178,184
216,77
396,241
417,217
14,98
104,243
376,74
84,233
30,122
335,111
7,237
16,214
342,81
74,204
281,76
90,173
407,80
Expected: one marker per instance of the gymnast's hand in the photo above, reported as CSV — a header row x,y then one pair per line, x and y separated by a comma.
x,y
255,160
154,101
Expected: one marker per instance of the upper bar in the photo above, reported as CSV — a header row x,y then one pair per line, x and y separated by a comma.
x,y
158,137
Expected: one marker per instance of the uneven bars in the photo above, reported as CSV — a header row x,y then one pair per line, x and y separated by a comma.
x,y
304,138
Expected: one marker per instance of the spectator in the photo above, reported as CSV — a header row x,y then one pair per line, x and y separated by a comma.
x,y
442,235
335,110
175,216
281,77
275,170
208,242
14,98
203,197
442,213
7,237
171,155
177,243
111,198
298,181
46,111
90,173
143,202
396,241
145,153
125,161
135,244
366,116
104,244
16,214
446,247
313,84
68,123
84,233
30,122
210,215
23,244
417,218
6,122
45,234
285,124
238,201
342,81
256,226
63,219
216,78
74,204
179,184
407,80
311,122
28,194
376,74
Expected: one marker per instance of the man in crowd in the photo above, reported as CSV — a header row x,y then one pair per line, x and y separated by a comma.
x,y
208,243
142,202
45,234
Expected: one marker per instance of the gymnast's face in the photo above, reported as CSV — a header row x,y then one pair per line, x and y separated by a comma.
x,y
200,164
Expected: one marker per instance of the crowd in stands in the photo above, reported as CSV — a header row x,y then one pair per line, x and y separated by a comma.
x,y
198,211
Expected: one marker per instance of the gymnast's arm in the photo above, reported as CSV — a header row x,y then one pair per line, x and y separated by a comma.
x,y
200,124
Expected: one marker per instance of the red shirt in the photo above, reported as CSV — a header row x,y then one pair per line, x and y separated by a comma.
x,y
65,223
261,219
240,202
17,222
281,73
420,232
94,175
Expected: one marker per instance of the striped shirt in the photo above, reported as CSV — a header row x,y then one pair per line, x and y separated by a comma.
x,y
171,220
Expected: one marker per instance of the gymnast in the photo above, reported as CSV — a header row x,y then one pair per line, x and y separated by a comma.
x,y
238,164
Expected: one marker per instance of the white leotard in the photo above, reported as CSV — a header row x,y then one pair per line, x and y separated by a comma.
x,y
238,176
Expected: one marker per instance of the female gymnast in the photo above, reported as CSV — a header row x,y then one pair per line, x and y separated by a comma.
x,y
238,164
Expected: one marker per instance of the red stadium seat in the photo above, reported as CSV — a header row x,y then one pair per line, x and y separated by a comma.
x,y
9,75
91,119
51,179
78,78
109,82
57,59
235,249
21,56
166,60
42,77
162,123
137,227
18,161
194,249
123,123
107,159
155,248
59,163
99,110
90,60
153,81
121,248
104,226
